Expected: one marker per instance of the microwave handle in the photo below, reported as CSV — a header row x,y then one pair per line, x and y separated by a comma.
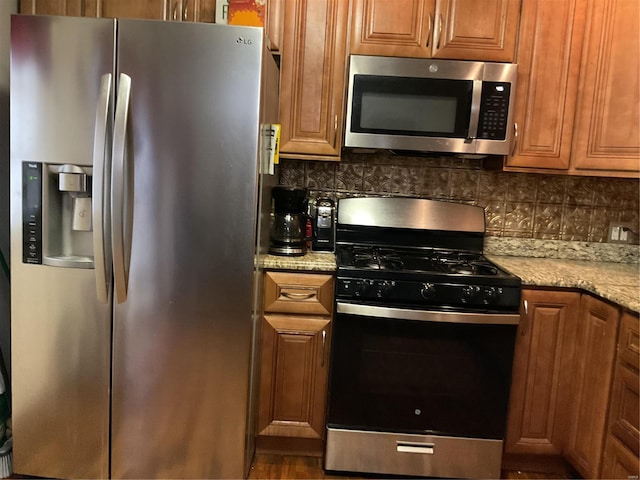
x,y
476,97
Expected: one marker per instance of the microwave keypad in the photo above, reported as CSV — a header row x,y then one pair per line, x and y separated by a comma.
x,y
494,107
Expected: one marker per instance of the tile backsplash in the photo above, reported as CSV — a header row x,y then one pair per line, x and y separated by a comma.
x,y
525,205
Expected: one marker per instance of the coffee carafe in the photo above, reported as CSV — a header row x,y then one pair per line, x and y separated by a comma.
x,y
288,225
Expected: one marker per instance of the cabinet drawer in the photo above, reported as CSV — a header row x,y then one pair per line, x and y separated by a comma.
x,y
309,293
624,418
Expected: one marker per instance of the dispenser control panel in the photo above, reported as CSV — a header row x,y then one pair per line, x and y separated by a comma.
x,y
32,212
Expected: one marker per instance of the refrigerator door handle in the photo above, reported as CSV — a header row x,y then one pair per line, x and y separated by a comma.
x,y
121,193
100,212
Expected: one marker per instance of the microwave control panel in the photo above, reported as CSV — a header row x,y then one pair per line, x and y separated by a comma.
x,y
494,110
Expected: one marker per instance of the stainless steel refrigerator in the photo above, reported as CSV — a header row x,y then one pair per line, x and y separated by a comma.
x,y
138,208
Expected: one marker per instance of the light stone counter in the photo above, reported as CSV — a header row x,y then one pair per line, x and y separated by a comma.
x,y
608,270
617,282
312,261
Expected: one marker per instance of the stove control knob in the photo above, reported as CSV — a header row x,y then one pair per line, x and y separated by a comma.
x,y
384,287
362,288
469,292
428,291
491,295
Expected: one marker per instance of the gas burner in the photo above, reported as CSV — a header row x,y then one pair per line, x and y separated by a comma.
x,y
471,267
376,258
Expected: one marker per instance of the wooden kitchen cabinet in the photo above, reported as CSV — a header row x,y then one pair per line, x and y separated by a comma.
x,y
312,78
178,10
296,333
622,446
72,8
607,127
274,24
592,372
577,99
542,368
453,29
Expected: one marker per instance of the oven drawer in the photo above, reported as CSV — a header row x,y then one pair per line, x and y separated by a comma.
x,y
402,454
309,293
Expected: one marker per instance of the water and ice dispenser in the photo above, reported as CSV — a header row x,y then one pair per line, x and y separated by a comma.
x,y
57,216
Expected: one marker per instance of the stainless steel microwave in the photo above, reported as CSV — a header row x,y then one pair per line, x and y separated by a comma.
x,y
428,105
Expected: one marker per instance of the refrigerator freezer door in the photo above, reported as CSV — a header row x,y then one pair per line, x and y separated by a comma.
x,y
61,333
182,336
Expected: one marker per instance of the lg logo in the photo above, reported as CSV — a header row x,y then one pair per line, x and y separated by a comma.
x,y
244,41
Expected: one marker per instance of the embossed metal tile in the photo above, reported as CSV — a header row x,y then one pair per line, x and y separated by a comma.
x,y
557,207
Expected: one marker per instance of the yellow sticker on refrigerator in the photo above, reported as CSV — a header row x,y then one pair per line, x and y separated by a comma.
x,y
270,150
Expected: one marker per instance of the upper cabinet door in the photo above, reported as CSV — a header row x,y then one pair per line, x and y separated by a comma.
x,y
274,24
150,9
312,76
398,28
608,117
71,8
454,29
177,10
476,29
547,83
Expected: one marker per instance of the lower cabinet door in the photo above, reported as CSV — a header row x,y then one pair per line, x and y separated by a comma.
x,y
591,384
293,377
538,406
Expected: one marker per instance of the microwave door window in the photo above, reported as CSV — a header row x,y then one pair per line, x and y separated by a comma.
x,y
408,114
411,106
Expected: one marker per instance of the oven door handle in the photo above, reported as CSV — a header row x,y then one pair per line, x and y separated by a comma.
x,y
428,315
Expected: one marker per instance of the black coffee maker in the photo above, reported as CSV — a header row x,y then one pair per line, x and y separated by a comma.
x,y
288,225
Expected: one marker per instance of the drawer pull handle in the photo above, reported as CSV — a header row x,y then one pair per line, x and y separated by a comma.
x,y
411,447
298,296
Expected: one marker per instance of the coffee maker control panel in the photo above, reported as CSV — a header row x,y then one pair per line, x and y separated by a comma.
x,y
32,212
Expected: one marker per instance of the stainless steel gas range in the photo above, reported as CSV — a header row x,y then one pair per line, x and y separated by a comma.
x,y
423,341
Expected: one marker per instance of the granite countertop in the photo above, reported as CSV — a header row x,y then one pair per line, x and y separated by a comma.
x,y
611,271
311,261
608,270
617,282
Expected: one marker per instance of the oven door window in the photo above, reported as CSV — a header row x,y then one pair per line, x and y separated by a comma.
x,y
420,377
424,107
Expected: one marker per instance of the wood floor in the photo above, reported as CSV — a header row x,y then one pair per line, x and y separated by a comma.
x,y
290,467
270,466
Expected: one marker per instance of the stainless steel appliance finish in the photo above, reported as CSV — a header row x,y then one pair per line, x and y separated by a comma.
x,y
429,105
422,341
412,213
402,454
429,316
156,380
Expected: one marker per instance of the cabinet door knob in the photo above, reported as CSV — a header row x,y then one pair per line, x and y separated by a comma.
x,y
525,323
439,32
324,343
515,139
185,10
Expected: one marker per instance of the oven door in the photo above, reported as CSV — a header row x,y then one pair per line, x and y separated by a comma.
x,y
421,372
